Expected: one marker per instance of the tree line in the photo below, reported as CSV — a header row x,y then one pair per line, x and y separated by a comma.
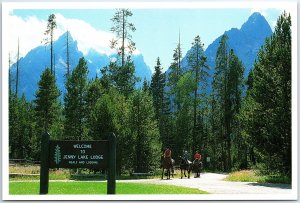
x,y
235,122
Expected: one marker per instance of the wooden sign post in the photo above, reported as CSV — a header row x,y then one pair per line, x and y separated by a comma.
x,y
78,154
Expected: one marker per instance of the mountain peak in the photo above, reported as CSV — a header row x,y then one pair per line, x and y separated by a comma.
x,y
255,24
255,16
63,38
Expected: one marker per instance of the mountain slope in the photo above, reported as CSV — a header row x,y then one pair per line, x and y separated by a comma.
x,y
245,41
35,62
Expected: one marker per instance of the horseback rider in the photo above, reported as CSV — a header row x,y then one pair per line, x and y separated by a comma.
x,y
197,164
197,157
167,155
185,156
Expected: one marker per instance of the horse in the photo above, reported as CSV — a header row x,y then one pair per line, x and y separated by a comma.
x,y
185,165
167,163
197,166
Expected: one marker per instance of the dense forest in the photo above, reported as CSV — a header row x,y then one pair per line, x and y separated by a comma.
x,y
235,122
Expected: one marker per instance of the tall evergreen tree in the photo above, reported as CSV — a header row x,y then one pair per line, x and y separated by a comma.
x,y
9,75
21,128
197,63
157,89
51,25
271,100
227,87
46,108
94,92
175,96
235,85
161,106
120,77
111,114
174,76
122,28
18,69
46,101
68,55
219,91
143,127
75,101
146,85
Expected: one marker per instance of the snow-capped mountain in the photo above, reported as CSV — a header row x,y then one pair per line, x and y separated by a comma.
x,y
36,60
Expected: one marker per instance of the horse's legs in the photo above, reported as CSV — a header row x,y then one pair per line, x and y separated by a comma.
x,y
198,173
167,173
181,173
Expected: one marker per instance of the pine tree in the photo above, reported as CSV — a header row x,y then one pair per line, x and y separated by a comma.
x,y
120,77
227,88
75,102
51,25
46,109
122,28
197,63
95,92
143,127
9,75
146,85
18,69
174,76
161,106
157,89
108,75
68,55
110,114
46,101
271,100
175,96
21,128
234,96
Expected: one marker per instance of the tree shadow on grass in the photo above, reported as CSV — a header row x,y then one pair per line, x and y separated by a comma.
x,y
272,185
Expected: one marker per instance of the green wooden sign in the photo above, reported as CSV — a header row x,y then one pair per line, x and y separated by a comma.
x,y
78,154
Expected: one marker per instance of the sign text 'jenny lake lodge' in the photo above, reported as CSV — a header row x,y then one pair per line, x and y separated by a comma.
x,y
78,154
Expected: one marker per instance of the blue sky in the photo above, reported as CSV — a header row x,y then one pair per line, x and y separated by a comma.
x,y
157,30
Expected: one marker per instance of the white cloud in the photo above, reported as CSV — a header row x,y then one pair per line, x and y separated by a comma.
x,y
86,35
30,32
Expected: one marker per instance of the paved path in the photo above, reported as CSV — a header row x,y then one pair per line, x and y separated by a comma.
x,y
214,183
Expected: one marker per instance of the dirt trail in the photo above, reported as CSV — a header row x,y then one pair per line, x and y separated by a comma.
x,y
214,183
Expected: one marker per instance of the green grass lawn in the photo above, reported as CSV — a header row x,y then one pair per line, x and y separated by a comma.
x,y
80,188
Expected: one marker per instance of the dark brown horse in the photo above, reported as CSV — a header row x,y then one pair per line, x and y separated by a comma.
x,y
167,163
185,166
197,166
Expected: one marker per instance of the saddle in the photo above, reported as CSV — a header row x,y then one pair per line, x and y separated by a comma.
x,y
186,162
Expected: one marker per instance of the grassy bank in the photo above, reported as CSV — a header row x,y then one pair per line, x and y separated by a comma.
x,y
67,188
253,176
21,173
